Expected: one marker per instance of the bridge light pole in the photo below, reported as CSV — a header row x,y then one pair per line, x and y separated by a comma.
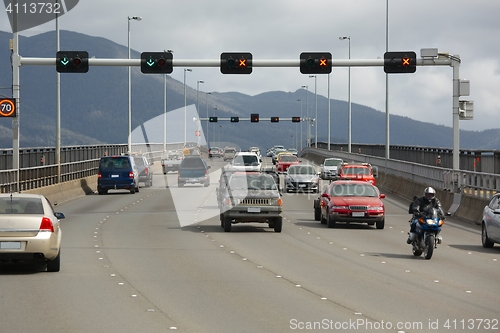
x,y
348,97
136,18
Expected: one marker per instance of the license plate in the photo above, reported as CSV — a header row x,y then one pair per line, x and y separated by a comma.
x,y
358,214
253,209
10,245
170,165
302,185
193,179
115,176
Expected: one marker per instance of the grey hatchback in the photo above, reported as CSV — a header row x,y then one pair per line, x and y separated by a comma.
x,y
117,173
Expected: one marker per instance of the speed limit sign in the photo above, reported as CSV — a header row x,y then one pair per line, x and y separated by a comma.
x,y
7,107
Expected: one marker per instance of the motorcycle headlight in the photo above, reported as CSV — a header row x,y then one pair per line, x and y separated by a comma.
x,y
430,222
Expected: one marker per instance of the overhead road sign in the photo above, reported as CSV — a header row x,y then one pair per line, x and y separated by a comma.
x,y
8,107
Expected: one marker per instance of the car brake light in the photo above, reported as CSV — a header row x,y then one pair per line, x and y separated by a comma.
x,y
99,175
146,171
130,174
46,225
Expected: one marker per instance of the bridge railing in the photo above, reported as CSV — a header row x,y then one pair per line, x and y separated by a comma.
x,y
476,184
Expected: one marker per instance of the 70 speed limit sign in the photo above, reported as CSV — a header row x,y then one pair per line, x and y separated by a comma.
x,y
7,107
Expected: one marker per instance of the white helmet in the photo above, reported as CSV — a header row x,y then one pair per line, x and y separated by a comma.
x,y
429,193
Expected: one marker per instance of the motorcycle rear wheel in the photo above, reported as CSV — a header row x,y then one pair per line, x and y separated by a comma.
x,y
429,247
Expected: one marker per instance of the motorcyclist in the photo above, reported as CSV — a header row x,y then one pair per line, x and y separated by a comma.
x,y
418,206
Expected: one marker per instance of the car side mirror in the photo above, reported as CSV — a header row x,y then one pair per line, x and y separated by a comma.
x,y
325,195
382,196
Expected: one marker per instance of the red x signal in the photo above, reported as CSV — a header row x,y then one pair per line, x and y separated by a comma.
x,y
323,62
405,62
243,63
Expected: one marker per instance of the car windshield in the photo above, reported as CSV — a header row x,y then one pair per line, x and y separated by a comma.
x,y
357,171
252,182
14,205
332,162
353,190
302,170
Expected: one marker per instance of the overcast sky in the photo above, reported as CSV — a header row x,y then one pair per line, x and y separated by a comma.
x,y
282,29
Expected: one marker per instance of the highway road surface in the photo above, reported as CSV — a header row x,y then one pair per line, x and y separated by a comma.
x,y
127,265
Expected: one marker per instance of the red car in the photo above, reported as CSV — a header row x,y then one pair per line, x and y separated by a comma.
x,y
284,161
360,171
350,201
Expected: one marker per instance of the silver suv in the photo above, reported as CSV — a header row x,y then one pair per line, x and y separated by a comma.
x,y
251,197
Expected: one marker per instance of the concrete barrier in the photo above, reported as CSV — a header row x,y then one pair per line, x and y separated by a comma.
x,y
58,193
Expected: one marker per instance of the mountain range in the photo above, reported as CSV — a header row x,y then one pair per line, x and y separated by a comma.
x,y
94,106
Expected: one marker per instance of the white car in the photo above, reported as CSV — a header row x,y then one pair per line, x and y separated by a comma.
x,y
246,161
329,168
30,230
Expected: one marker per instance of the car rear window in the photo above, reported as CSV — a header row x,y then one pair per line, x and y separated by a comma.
x,y
192,163
356,190
20,206
114,163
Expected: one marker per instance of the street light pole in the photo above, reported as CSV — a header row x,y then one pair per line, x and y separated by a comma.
x,y
307,115
299,100
137,18
348,98
316,106
185,106
206,102
165,109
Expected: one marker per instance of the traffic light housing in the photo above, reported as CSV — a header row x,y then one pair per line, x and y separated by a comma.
x,y
315,62
295,119
236,63
254,118
156,62
275,119
235,119
400,62
72,61
212,119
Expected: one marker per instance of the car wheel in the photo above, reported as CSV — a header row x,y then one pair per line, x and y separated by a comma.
x,y
380,224
54,265
227,224
317,214
278,224
331,223
487,243
102,192
180,184
322,219
132,190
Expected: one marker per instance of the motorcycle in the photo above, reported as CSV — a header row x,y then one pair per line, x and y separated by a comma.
x,y
427,238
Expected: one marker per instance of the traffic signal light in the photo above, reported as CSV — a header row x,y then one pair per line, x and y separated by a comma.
x,y
235,119
212,119
254,118
315,62
236,63
295,119
156,62
275,119
72,61
400,62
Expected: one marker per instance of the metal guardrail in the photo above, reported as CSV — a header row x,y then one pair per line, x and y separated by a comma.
x,y
476,184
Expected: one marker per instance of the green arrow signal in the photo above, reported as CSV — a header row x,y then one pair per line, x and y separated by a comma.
x,y
64,61
150,62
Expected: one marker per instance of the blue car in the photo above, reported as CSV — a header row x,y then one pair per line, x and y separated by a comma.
x,y
117,173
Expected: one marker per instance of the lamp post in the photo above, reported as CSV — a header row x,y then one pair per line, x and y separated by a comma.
x,y
197,91
307,114
137,18
348,98
185,107
165,108
316,106
206,102
299,100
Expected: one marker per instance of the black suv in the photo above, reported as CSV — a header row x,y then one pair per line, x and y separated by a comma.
x,y
144,169
117,173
